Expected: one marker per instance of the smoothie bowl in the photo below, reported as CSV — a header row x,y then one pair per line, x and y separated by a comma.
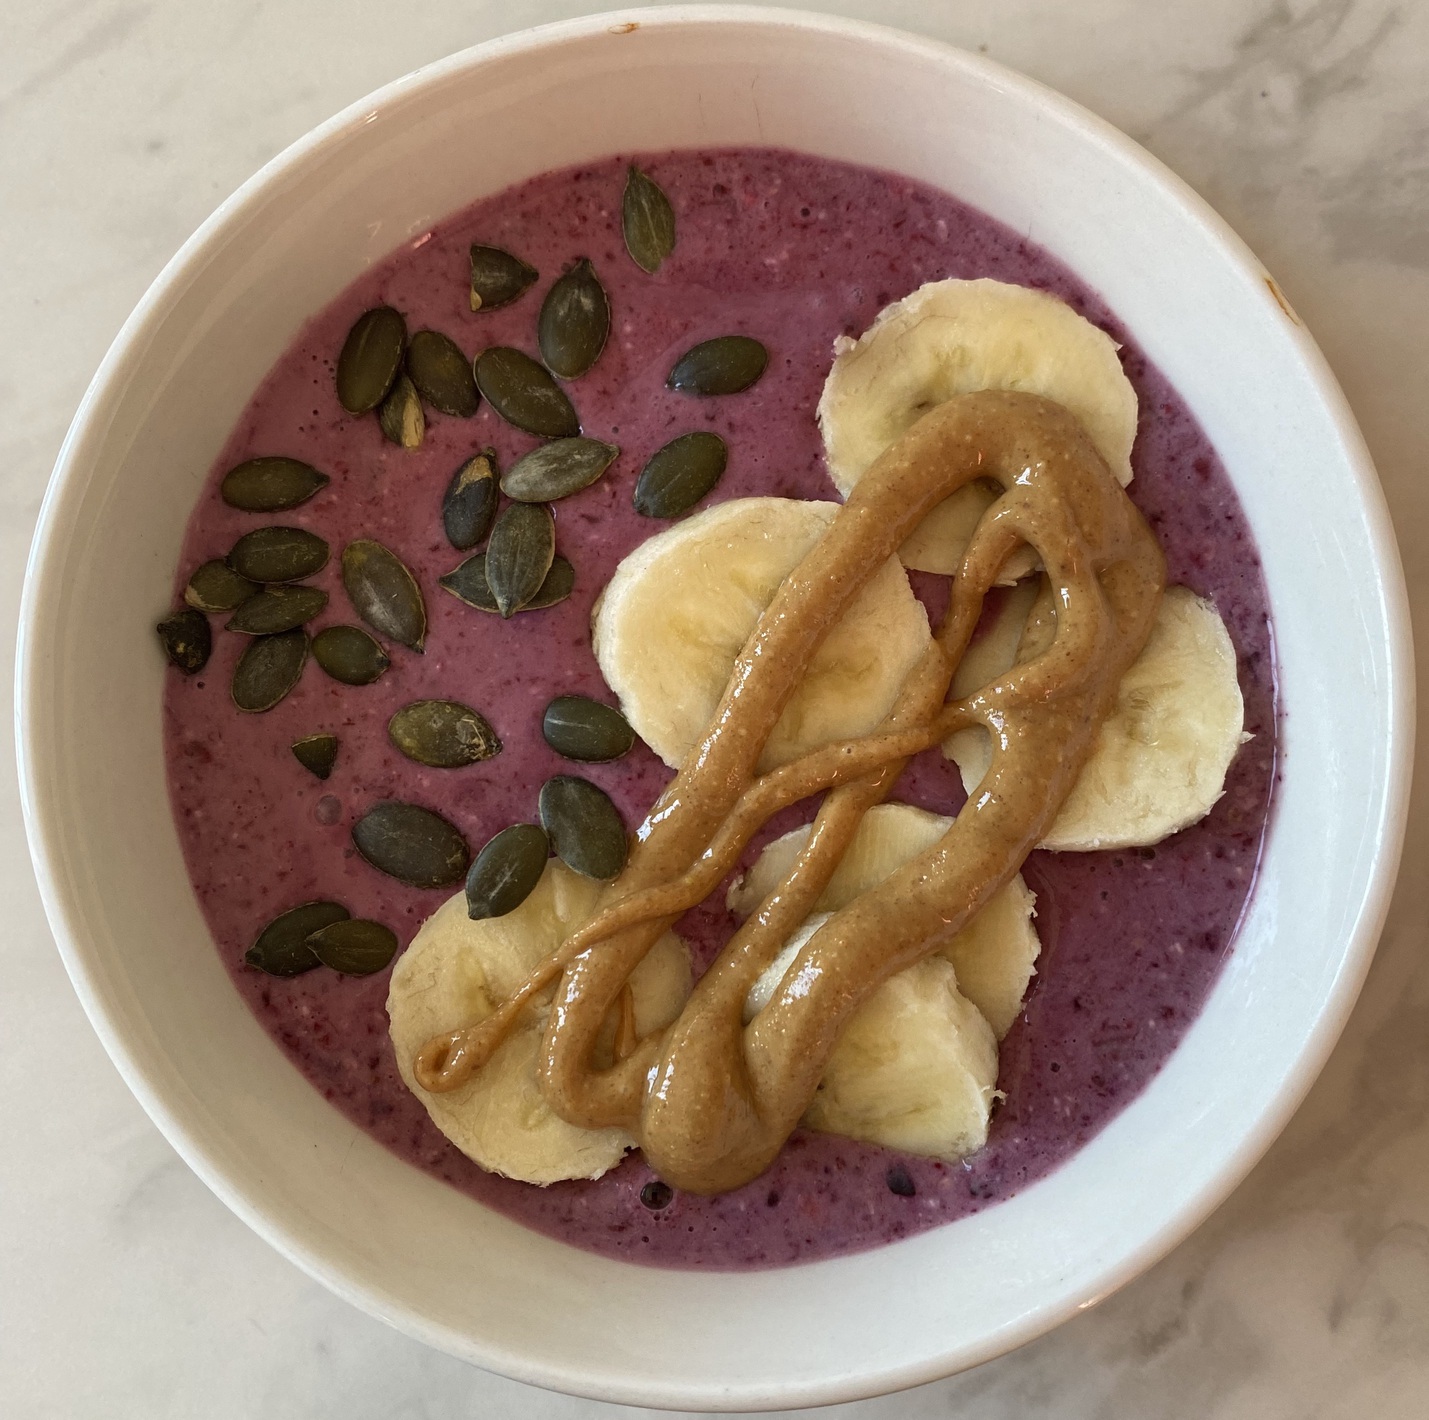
x,y
805,693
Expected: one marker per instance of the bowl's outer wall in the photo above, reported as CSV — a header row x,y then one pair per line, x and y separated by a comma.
x,y
416,1252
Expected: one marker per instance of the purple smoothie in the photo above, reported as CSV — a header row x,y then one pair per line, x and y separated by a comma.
x,y
794,251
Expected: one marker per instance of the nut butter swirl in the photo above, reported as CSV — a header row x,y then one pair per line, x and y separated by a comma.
x,y
710,1099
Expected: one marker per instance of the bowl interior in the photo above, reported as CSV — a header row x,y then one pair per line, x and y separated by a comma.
x,y
429,1259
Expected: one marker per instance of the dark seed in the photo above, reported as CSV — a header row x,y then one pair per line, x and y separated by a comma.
x,y
520,554
470,501
442,374
580,728
443,734
371,356
725,365
349,654
400,415
282,946
268,669
647,220
355,947
413,845
468,584
276,609
187,640
506,871
498,278
215,586
557,586
656,1195
900,1181
680,474
574,322
384,593
524,394
558,469
278,554
270,484
585,827
316,753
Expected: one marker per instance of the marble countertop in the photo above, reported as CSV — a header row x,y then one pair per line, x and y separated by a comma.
x,y
126,1289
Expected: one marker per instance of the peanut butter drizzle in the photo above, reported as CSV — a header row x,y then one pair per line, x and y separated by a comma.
x,y
710,1099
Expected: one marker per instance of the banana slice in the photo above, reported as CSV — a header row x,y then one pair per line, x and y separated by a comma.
x,y
1161,758
953,337
993,955
678,610
456,971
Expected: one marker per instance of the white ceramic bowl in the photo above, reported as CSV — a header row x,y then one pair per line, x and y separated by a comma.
x,y
425,1257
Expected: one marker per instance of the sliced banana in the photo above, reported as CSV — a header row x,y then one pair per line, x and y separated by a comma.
x,y
677,612
953,337
457,971
1161,757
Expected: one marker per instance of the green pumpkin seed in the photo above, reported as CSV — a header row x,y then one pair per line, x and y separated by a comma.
x,y
412,844
580,728
186,639
276,609
215,586
585,828
557,469
400,415
680,474
348,654
384,593
524,394
442,374
574,322
468,584
519,555
316,753
647,220
470,501
270,484
355,947
506,871
282,946
725,365
444,734
498,278
278,554
371,356
268,669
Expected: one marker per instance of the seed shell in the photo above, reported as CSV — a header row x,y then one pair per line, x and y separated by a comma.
x,y
680,474
355,946
469,504
574,322
444,734
268,669
506,871
348,654
585,827
724,365
270,484
412,844
278,554
468,584
215,586
523,393
187,639
282,946
371,356
647,220
442,374
578,727
400,415
316,753
276,609
519,555
557,469
498,278
384,593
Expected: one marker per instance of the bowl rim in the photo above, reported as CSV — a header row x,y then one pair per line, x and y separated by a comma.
x,y
44,832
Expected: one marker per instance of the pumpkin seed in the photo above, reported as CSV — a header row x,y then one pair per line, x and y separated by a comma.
x,y
278,554
277,609
384,593
519,555
470,501
581,728
187,640
412,844
349,654
355,946
215,586
371,356
282,946
557,469
585,828
442,374
680,474
270,484
400,415
316,753
468,584
268,669
574,322
506,871
725,365
647,220
524,394
497,277
444,734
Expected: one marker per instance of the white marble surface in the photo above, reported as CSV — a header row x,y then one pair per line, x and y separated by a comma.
x,y
127,1290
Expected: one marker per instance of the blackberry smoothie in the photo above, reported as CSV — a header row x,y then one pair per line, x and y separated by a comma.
x,y
793,251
